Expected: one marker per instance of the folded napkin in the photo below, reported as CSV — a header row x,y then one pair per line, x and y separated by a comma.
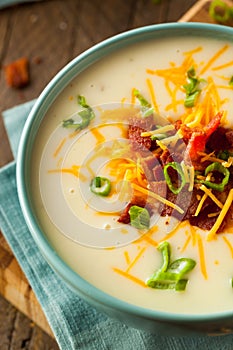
x,y
6,3
75,324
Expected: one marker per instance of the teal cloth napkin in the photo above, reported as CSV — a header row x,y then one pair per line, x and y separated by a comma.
x,y
6,3
75,324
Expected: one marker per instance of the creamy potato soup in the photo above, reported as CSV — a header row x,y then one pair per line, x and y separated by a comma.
x,y
155,235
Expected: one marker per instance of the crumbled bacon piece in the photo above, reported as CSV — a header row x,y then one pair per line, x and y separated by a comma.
x,y
17,73
136,127
136,200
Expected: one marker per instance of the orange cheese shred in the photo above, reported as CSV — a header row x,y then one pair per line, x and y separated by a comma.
x,y
130,277
201,256
228,243
150,240
127,258
97,134
222,66
136,259
59,147
214,58
186,243
74,170
152,95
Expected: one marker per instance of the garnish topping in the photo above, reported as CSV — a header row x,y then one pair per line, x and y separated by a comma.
x,y
220,11
139,217
147,109
175,188
171,274
231,81
100,186
212,168
86,115
192,89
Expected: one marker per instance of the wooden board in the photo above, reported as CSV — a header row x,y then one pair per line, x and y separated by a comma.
x,y
13,284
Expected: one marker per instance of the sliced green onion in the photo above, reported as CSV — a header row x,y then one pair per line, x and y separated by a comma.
x,y
220,11
190,100
171,275
100,186
192,88
141,99
70,124
147,108
82,101
216,166
158,137
87,114
147,112
231,81
224,155
139,217
176,166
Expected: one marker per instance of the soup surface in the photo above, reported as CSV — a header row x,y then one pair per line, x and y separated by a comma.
x,y
83,227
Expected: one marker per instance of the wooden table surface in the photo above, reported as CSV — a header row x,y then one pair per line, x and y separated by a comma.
x,y
50,33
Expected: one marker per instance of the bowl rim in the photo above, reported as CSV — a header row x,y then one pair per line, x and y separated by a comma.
x,y
45,99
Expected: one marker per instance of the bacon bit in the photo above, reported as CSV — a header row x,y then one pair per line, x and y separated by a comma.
x,y
17,73
199,138
213,124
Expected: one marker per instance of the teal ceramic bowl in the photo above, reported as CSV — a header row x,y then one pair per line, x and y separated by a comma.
x,y
155,321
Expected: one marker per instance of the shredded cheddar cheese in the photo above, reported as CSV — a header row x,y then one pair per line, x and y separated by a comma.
x,y
127,258
221,216
130,277
214,58
228,243
74,170
131,265
200,205
161,130
186,244
59,147
222,66
202,256
209,193
152,95
188,171
157,197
